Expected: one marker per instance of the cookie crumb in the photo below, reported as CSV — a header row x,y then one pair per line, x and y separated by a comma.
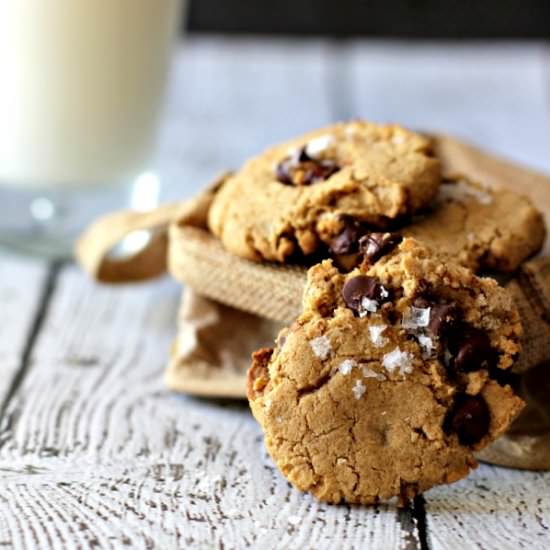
x,y
346,366
321,347
461,190
376,337
359,389
398,359
397,139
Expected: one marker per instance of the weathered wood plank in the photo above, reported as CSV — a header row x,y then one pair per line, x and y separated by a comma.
x,y
21,286
493,95
99,452
493,508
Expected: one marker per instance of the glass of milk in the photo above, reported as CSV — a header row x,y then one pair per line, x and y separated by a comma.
x,y
80,96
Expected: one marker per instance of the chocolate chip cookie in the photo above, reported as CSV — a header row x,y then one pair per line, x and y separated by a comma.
x,y
284,203
476,226
391,378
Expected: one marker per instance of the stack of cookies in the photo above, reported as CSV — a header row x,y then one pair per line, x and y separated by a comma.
x,y
398,365
398,358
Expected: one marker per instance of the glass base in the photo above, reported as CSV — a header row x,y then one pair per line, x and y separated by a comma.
x,y
47,222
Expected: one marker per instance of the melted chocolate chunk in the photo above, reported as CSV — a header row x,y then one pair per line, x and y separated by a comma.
x,y
358,288
301,169
376,245
442,318
471,349
469,418
347,241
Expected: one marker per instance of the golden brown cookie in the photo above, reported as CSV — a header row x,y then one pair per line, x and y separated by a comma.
x,y
284,202
390,379
478,227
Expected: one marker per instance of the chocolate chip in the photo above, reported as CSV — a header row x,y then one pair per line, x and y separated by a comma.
x,y
442,318
301,169
347,241
358,288
283,173
471,349
469,418
376,245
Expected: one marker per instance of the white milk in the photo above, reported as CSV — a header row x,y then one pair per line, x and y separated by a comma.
x,y
81,88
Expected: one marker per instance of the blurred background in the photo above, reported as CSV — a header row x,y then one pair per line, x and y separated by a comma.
x,y
124,103
376,18
255,73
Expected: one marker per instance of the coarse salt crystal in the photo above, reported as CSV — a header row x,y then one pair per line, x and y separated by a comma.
x,y
370,373
398,360
321,347
427,346
318,145
359,389
416,317
375,332
367,306
346,366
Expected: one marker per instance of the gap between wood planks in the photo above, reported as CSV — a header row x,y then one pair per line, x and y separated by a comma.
x,y
48,289
341,100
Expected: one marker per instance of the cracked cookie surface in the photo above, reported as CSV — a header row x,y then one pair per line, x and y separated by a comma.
x,y
475,226
282,203
391,378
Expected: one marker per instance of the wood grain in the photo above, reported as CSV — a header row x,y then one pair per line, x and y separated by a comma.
x,y
495,507
99,451
21,285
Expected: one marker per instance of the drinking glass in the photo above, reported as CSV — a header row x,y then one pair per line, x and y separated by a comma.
x,y
80,98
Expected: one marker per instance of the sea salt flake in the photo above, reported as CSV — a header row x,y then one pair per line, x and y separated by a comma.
x,y
376,337
416,317
367,306
319,145
447,358
398,360
427,346
321,347
383,292
346,366
359,389
371,373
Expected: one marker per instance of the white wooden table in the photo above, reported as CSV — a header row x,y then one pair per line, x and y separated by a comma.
x,y
95,452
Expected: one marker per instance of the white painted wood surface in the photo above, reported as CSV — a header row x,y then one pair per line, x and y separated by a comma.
x,y
95,452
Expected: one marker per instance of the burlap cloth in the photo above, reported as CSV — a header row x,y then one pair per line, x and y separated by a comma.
x,y
232,307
